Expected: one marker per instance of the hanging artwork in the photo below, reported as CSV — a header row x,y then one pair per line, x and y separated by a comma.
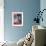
x,y
17,18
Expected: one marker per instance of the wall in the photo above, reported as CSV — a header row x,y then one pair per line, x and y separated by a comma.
x,y
29,8
43,6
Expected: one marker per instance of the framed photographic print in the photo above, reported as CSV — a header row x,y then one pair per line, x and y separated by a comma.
x,y
17,18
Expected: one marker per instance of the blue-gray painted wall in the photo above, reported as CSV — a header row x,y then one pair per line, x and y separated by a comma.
x,y
43,6
29,8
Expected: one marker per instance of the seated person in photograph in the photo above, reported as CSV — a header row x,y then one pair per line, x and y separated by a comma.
x,y
17,19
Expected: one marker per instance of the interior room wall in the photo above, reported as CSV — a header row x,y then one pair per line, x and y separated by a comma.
x,y
29,8
43,6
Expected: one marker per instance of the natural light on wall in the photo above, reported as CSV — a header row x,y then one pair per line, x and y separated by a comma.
x,y
1,20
